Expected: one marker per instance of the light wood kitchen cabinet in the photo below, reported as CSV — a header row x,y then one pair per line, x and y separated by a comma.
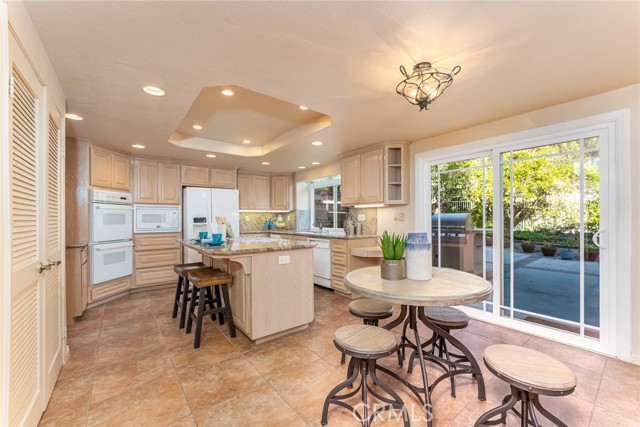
x,y
342,262
376,175
110,288
282,193
223,178
254,191
156,182
155,255
109,170
77,281
121,175
195,175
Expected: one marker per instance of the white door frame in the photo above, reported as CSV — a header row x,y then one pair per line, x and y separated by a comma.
x,y
616,125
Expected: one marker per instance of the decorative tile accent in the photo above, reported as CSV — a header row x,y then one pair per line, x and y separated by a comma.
x,y
254,221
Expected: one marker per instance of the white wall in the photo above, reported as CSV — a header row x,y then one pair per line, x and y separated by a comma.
x,y
624,98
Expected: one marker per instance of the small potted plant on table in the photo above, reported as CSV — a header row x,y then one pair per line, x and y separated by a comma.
x,y
548,249
393,265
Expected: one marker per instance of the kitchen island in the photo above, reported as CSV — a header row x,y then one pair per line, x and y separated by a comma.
x,y
272,290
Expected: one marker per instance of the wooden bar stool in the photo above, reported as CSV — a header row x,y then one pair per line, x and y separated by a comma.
x,y
365,344
529,373
371,311
202,280
447,318
183,289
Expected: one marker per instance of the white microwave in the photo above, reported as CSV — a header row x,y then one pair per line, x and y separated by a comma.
x,y
156,219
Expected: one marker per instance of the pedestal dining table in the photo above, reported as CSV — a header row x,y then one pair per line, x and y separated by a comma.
x,y
447,287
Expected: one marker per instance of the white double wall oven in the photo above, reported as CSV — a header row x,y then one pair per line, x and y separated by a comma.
x,y
111,234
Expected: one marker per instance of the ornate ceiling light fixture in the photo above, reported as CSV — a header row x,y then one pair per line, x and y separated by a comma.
x,y
425,84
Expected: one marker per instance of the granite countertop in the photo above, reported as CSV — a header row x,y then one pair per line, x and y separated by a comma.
x,y
246,245
319,235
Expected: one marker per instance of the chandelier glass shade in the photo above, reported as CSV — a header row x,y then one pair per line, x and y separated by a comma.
x,y
425,83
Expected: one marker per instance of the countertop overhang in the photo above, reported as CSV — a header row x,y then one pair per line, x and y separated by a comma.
x,y
246,246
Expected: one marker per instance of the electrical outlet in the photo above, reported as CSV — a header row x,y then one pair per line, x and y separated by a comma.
x,y
362,217
399,217
246,218
284,259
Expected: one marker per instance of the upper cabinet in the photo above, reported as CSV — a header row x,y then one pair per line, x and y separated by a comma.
x,y
109,170
282,193
376,175
156,182
195,175
223,178
254,191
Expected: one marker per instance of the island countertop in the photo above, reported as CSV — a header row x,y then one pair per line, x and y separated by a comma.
x,y
245,246
313,234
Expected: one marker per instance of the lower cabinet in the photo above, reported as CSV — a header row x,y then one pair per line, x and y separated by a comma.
x,y
107,289
342,262
155,255
77,281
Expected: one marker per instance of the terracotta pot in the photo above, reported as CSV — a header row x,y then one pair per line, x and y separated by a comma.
x,y
591,255
528,248
393,269
548,250
489,241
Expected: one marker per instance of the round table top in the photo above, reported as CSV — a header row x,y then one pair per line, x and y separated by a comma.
x,y
447,287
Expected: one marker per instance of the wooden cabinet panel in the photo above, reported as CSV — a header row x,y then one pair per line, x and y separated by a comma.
x,y
156,241
223,178
162,258
350,181
195,175
121,175
281,193
260,192
239,294
154,276
371,179
101,168
112,287
145,177
244,191
169,188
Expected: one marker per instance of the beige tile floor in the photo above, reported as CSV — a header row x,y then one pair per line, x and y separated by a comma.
x,y
131,366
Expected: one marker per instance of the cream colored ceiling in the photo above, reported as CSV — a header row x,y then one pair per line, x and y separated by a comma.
x,y
338,58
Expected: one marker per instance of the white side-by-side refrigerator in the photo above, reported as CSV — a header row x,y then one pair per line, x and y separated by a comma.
x,y
200,207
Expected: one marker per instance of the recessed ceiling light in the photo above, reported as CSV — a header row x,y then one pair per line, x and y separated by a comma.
x,y
71,116
315,163
211,155
227,92
246,141
317,143
302,167
153,90
197,127
302,107
266,163
138,146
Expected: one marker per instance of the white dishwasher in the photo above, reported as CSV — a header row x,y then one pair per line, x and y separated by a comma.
x,y
321,262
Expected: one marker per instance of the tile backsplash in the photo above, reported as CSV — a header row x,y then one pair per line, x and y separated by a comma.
x,y
254,221
370,224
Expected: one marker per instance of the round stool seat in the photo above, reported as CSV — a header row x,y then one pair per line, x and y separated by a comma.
x,y
447,317
371,308
184,269
365,341
528,369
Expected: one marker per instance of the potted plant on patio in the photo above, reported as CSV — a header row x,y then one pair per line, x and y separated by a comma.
x,y
567,253
591,252
528,246
393,265
548,249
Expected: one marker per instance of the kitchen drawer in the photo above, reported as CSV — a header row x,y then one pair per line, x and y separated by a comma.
x,y
157,258
153,241
338,285
154,276
112,287
338,270
338,246
338,258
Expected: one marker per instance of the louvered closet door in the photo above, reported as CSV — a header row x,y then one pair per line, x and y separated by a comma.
x,y
52,331
25,356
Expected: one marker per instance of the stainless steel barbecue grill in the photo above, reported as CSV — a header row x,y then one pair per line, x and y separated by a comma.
x,y
453,233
